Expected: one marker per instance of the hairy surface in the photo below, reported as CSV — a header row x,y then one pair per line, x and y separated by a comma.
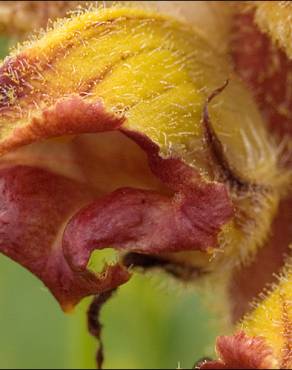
x,y
241,352
118,129
264,340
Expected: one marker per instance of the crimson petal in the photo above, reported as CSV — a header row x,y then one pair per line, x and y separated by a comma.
x,y
240,351
35,205
147,222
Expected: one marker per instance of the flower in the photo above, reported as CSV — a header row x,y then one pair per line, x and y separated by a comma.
x,y
126,128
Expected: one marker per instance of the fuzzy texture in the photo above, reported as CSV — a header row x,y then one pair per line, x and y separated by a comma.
x,y
36,105
264,340
116,76
272,318
241,352
209,183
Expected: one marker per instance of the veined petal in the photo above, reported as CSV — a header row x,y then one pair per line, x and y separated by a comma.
x,y
140,66
148,77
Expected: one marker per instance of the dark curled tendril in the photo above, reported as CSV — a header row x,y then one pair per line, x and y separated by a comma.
x,y
94,324
178,270
226,173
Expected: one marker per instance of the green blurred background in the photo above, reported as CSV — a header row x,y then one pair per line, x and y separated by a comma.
x,y
150,323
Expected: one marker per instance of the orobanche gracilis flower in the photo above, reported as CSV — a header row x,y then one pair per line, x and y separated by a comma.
x,y
128,128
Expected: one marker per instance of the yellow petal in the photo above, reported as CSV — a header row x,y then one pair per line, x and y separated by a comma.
x,y
272,319
151,74
137,61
